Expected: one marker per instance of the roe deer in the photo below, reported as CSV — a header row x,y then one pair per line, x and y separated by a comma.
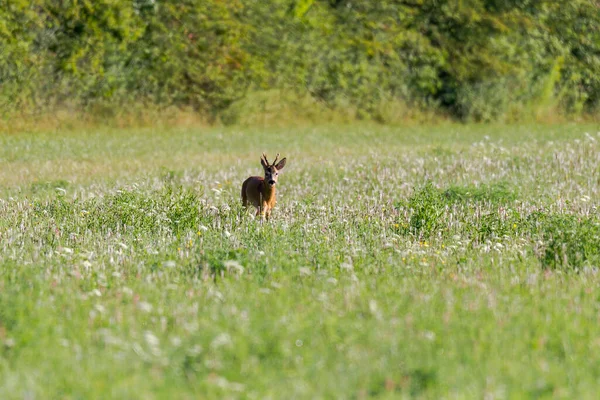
x,y
260,192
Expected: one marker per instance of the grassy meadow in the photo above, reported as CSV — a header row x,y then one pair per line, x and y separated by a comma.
x,y
455,261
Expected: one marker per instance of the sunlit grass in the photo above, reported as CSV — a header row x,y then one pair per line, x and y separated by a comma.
x,y
454,262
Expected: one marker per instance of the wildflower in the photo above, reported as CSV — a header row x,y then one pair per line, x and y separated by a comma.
x,y
223,339
233,265
151,339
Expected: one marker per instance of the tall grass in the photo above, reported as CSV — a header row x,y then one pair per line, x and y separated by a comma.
x,y
446,261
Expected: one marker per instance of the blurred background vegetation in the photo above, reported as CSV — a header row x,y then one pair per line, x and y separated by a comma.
x,y
263,61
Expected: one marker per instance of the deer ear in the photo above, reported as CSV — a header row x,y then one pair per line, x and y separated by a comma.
x,y
280,165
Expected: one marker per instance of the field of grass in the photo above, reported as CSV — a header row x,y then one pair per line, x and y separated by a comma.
x,y
444,262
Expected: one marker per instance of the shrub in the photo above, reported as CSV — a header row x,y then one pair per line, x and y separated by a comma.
x,y
482,60
428,205
569,241
426,208
496,193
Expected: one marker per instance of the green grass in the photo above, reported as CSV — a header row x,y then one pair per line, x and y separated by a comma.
x,y
442,262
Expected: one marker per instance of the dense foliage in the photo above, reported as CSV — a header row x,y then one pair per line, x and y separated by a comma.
x,y
473,59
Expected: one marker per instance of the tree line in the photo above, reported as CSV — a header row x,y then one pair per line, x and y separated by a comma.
x,y
473,60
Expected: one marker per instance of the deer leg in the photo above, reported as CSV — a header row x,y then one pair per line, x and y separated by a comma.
x,y
264,209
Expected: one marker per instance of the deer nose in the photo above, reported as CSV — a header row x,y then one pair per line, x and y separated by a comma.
x,y
271,182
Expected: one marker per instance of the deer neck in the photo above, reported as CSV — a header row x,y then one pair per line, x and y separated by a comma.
x,y
268,192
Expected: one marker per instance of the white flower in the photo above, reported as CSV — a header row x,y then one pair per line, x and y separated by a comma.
x,y
347,266
151,339
221,340
233,266
145,306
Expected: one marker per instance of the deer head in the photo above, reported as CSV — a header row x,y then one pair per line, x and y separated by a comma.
x,y
272,170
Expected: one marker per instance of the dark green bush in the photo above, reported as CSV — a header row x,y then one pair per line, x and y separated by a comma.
x,y
128,211
570,241
477,60
428,206
177,211
426,209
496,193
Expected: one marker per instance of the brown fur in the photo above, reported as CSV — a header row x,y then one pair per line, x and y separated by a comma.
x,y
257,191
